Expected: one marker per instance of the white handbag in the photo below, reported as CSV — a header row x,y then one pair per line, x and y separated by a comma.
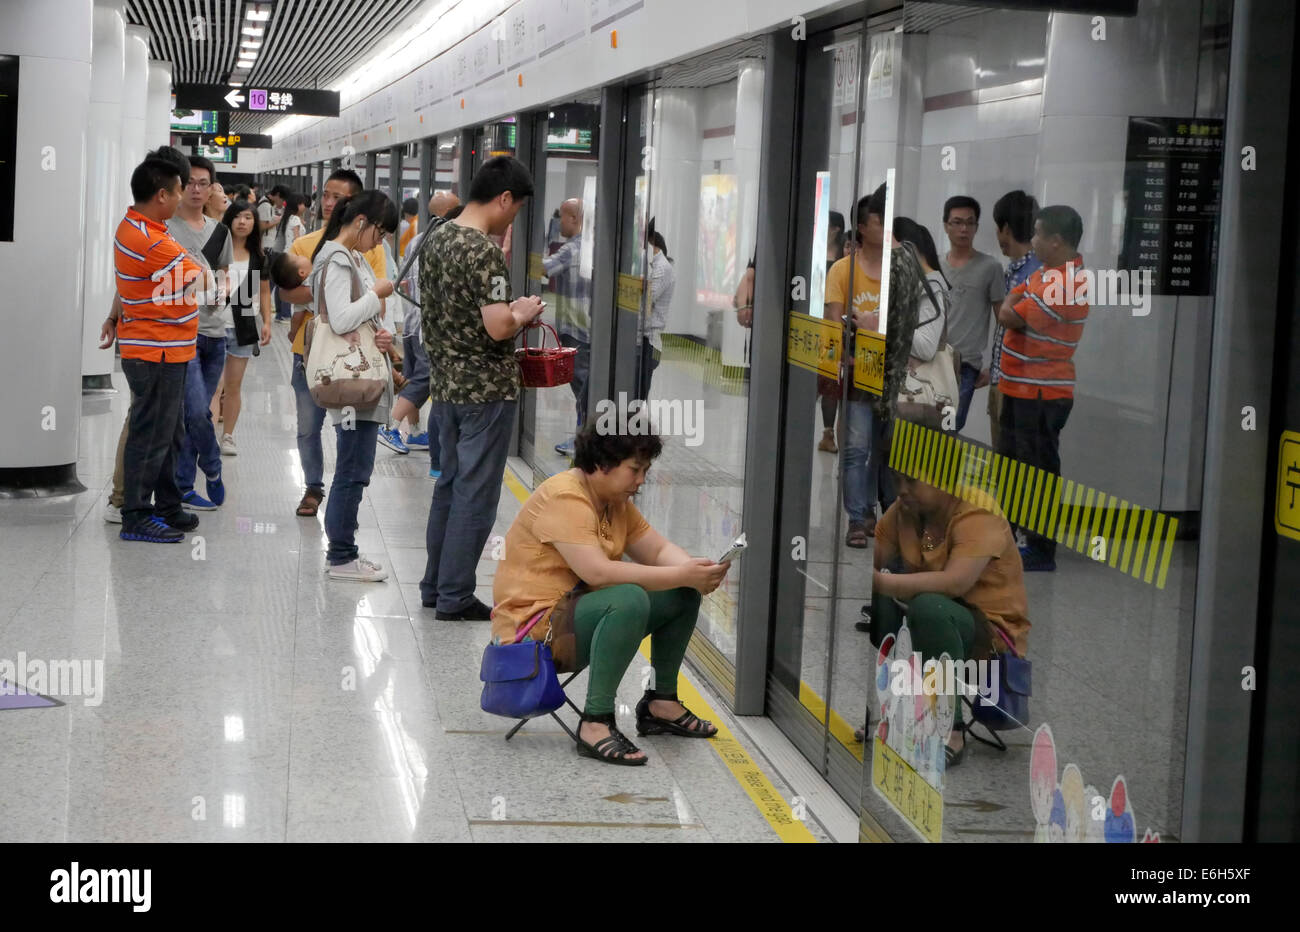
x,y
344,370
930,387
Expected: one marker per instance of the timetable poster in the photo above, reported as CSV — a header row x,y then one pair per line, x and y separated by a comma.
x,y
8,144
1173,178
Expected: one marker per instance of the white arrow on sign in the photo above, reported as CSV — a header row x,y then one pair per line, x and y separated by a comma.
x,y
234,98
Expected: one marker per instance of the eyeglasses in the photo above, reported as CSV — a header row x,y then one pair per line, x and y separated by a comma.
x,y
964,224
195,183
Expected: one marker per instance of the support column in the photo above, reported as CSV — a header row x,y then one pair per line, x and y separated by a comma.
x,y
428,152
104,203
135,93
41,263
158,108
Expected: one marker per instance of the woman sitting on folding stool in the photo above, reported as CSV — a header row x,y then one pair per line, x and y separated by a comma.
x,y
956,568
564,556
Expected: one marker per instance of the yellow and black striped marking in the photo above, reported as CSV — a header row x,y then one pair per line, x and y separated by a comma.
x,y
1138,542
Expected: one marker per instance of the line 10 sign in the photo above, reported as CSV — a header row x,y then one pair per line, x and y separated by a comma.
x,y
264,99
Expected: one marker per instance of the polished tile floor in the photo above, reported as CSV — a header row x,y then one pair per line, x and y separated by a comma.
x,y
248,697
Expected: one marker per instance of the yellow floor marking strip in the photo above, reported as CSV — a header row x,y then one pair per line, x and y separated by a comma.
x,y
770,804
841,729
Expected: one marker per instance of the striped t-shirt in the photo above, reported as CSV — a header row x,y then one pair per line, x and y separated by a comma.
x,y
153,271
1037,360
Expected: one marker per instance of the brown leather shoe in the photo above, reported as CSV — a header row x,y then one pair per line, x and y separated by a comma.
x,y
827,444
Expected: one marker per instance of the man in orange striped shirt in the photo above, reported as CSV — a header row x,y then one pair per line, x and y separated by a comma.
x,y
1044,317
156,281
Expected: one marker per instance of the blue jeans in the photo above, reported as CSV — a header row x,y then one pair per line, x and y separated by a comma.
x,y
866,477
311,418
581,373
415,366
475,441
354,462
967,388
199,448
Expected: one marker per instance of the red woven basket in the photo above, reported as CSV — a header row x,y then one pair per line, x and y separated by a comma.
x,y
543,367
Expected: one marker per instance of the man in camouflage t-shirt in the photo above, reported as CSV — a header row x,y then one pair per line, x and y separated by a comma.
x,y
470,325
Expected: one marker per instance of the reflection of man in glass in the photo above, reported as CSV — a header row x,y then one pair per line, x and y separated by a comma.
x,y
563,269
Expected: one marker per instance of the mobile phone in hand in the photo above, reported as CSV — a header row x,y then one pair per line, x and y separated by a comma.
x,y
737,548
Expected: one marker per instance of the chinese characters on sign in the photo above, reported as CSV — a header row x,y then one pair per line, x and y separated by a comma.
x,y
1172,181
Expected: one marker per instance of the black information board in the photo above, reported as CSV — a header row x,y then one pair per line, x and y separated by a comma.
x,y
264,99
8,144
1173,180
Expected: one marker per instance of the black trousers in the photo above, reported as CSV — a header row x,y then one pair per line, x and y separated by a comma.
x,y
153,440
1031,433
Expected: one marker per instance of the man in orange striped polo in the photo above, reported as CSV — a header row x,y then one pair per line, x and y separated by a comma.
x,y
1044,317
156,282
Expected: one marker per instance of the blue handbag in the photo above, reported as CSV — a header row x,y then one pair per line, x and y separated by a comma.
x,y
1014,690
519,679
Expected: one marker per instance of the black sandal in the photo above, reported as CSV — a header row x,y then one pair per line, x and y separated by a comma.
x,y
687,725
612,750
954,757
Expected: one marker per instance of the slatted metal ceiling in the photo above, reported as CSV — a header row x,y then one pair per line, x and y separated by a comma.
x,y
307,43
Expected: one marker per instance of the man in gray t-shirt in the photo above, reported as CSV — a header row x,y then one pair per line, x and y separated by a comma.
x,y
977,290
199,449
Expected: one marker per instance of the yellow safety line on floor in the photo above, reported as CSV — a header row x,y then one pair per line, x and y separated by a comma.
x,y
841,729
770,804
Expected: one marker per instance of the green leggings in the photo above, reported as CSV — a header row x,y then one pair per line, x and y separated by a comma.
x,y
610,625
938,625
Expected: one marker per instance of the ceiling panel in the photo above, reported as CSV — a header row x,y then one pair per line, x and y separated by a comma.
x,y
307,43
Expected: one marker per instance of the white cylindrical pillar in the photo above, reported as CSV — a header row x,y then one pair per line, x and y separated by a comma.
x,y
104,205
41,265
135,95
158,106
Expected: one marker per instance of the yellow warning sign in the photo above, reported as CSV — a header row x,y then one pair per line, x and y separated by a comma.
x,y
813,343
1286,516
869,361
629,292
906,790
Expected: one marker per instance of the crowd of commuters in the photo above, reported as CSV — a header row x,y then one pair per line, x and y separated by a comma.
x,y
185,347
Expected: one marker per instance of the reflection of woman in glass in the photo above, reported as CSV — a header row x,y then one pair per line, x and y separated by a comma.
x,y
659,295
952,568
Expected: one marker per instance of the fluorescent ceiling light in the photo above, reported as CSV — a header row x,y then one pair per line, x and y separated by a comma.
x,y
244,66
234,83
256,31
250,45
248,56
258,14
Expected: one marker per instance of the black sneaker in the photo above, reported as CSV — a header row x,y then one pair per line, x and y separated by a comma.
x,y
152,531
474,611
181,521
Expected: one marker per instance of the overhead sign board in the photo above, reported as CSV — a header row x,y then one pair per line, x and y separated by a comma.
x,y
253,99
243,140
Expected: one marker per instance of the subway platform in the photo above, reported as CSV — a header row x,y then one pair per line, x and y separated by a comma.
x,y
232,692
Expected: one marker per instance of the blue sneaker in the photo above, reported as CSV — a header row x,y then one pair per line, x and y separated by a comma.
x,y
418,441
152,531
566,448
1035,562
193,501
390,438
435,472
217,491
